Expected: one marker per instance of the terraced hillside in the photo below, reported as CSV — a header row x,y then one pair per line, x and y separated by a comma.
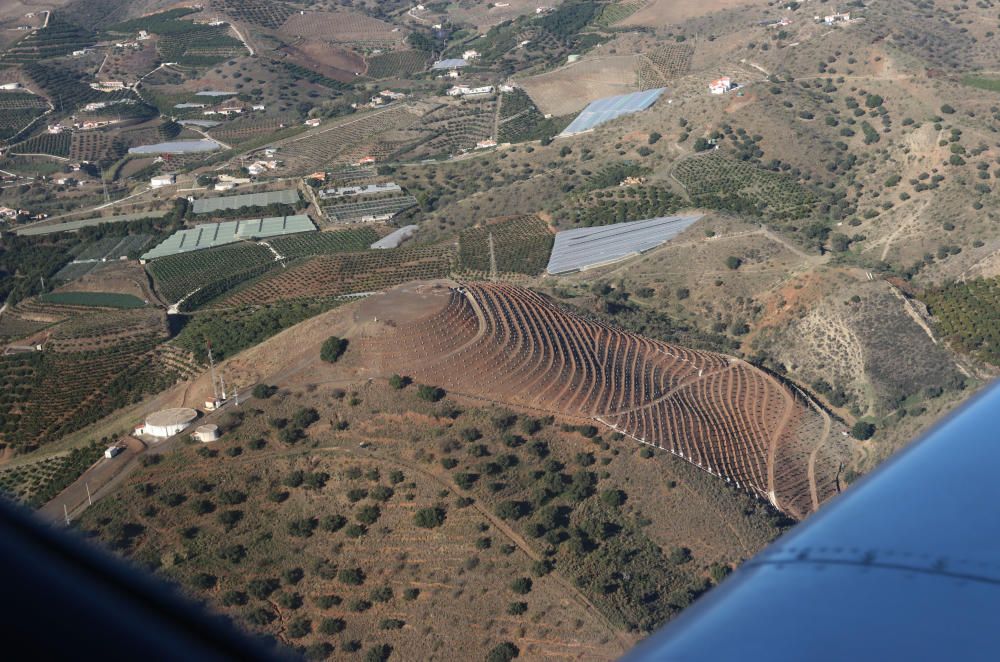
x,y
509,344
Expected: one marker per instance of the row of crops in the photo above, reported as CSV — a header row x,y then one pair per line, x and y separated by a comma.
x,y
396,64
14,120
318,150
66,89
346,273
322,243
618,206
211,271
719,182
520,245
161,23
968,314
38,482
451,129
265,13
47,395
200,45
521,120
58,39
53,144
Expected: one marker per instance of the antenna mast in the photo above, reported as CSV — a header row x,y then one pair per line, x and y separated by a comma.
x,y
211,363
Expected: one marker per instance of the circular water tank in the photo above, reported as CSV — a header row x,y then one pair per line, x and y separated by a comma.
x,y
208,432
168,422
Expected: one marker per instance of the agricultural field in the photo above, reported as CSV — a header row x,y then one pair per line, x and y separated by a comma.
x,y
659,66
344,27
570,88
453,128
618,11
966,314
99,299
59,38
17,111
520,120
325,243
208,272
396,64
65,89
720,182
263,13
341,274
251,128
618,206
200,46
520,245
161,23
51,144
342,143
35,483
718,413
101,147
39,404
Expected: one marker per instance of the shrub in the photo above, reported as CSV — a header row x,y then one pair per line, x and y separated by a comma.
x,y
429,518
863,430
517,608
299,628
330,626
378,653
733,262
430,393
333,348
504,652
263,391
521,585
399,382
352,576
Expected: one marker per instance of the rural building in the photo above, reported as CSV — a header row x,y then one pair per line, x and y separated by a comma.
x,y
720,86
10,86
365,189
206,433
314,121
486,144
464,90
452,63
108,85
167,423
162,180
837,18
470,55
394,239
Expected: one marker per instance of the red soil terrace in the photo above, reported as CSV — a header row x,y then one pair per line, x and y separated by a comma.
x,y
510,345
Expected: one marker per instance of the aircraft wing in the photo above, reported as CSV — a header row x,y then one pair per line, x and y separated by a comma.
x,y
905,565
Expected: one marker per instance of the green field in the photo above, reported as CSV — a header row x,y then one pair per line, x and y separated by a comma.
x,y
991,84
102,299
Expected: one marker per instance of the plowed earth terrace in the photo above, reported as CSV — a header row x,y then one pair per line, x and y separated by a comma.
x,y
511,345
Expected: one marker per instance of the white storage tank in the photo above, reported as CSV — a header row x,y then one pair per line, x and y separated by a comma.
x,y
205,433
168,422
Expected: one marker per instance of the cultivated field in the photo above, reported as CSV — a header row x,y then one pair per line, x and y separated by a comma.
x,y
345,273
662,13
517,245
343,27
715,411
569,89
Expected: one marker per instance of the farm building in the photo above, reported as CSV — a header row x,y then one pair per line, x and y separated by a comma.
x,y
452,63
720,86
609,108
365,189
394,239
210,235
162,180
167,422
285,196
177,147
465,91
585,248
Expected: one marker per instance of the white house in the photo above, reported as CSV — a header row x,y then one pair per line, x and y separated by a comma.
x,y
464,90
312,121
720,86
470,55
